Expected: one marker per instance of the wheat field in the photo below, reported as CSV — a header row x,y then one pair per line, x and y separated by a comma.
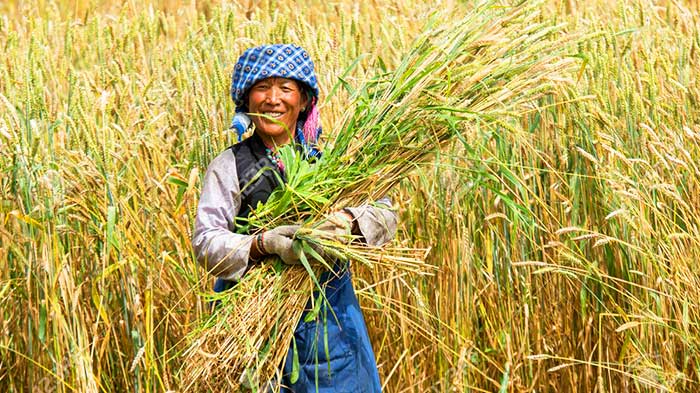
x,y
564,238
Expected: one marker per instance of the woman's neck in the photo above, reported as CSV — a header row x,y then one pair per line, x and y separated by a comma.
x,y
273,143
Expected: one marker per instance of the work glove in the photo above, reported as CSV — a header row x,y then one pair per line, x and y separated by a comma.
x,y
337,226
278,241
375,223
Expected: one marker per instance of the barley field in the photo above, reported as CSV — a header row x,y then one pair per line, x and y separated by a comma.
x,y
561,224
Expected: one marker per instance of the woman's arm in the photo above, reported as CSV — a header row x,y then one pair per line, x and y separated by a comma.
x,y
221,251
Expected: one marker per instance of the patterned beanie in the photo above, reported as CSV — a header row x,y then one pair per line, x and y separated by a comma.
x,y
283,61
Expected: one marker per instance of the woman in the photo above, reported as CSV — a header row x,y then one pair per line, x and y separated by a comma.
x,y
275,87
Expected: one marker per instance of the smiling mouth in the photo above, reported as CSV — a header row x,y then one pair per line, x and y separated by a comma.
x,y
274,115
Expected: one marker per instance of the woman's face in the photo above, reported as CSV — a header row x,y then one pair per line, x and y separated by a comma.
x,y
280,100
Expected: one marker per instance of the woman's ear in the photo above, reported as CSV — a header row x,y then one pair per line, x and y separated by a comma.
x,y
306,101
305,96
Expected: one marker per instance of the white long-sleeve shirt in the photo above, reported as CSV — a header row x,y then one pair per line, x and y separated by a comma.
x,y
225,253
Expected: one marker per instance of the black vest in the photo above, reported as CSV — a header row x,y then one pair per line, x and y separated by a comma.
x,y
258,176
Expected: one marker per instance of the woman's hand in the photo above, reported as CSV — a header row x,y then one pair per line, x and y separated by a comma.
x,y
276,241
338,226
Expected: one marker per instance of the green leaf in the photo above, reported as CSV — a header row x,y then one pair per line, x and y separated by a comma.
x,y
311,315
295,362
310,251
42,323
325,341
297,246
111,223
177,182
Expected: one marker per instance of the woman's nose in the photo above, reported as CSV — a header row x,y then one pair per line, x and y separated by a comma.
x,y
273,95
